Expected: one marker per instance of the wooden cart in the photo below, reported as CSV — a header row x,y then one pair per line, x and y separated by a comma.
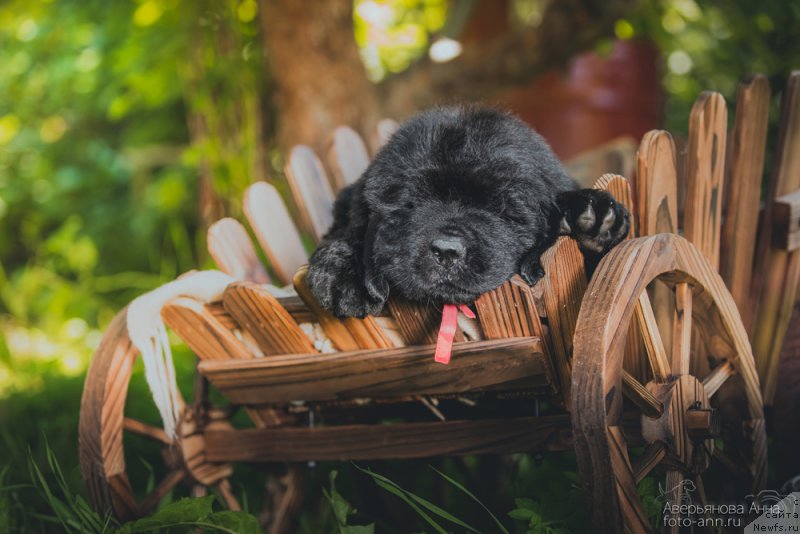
x,y
647,366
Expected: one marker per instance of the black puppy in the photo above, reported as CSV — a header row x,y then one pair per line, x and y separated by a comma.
x,y
457,201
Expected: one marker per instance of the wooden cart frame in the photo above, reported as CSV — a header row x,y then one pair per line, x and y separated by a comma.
x,y
648,363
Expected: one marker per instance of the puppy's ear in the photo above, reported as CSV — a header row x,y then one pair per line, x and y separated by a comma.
x,y
375,283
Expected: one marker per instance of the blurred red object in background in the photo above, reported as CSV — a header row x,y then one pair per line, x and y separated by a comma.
x,y
595,99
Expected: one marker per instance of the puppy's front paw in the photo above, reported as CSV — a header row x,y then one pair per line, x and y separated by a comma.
x,y
594,219
334,279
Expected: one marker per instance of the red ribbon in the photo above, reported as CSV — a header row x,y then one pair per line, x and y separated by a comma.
x,y
447,330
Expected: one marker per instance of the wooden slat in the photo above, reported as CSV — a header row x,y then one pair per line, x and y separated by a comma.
x,y
563,286
221,314
233,252
347,155
392,441
261,315
397,372
418,322
210,339
779,270
786,404
786,222
620,189
383,131
616,156
349,334
705,158
509,311
705,167
657,184
293,304
745,169
274,229
635,356
657,208
202,332
311,190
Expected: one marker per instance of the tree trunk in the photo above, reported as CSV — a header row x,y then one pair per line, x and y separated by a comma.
x,y
320,82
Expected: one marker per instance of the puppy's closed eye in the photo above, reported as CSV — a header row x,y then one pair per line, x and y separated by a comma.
x,y
514,213
515,217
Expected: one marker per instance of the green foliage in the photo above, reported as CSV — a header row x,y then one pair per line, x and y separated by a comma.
x,y
550,487
342,510
712,44
652,501
426,509
73,514
472,496
530,513
391,34
98,167
189,513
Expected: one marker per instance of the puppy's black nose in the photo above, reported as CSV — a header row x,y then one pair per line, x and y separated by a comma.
x,y
448,249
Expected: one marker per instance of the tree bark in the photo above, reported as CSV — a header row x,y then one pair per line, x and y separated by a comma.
x,y
319,77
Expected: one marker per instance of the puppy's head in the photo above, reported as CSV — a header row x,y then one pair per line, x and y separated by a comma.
x,y
456,199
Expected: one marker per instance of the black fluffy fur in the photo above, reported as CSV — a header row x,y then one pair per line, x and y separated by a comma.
x,y
458,201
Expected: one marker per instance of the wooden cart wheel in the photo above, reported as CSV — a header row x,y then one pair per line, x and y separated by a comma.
x,y
103,425
688,421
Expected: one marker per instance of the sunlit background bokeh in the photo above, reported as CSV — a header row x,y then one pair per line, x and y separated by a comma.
x,y
97,166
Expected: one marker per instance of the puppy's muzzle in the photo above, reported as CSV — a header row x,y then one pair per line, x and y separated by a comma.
x,y
448,250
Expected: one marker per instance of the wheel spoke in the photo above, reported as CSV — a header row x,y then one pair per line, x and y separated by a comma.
x,y
730,465
640,396
170,481
701,496
650,458
717,377
226,492
143,429
682,329
656,353
627,494
673,494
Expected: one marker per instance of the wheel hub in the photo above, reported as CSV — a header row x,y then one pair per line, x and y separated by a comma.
x,y
688,424
193,445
